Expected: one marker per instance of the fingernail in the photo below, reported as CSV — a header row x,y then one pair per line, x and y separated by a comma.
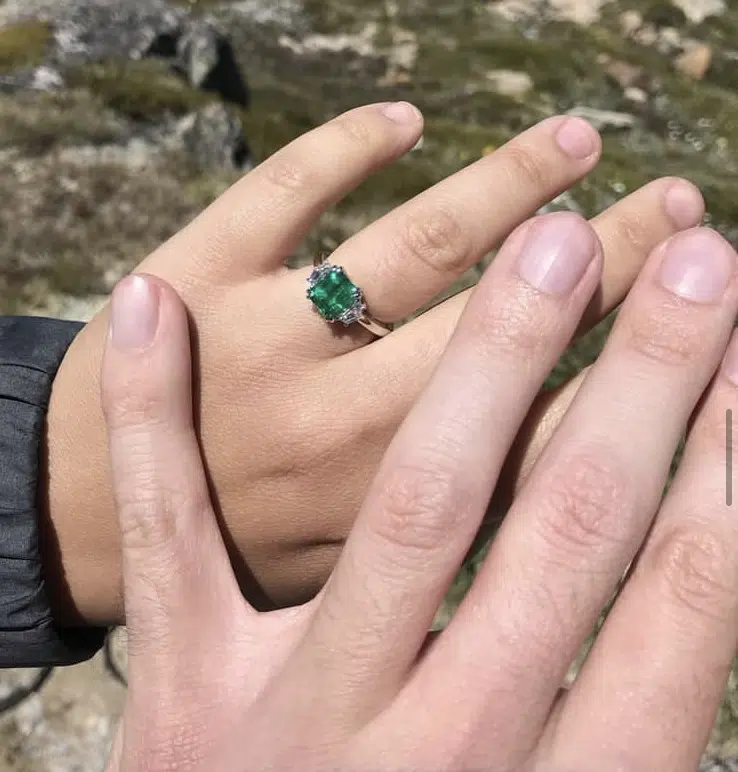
x,y
556,253
577,138
684,205
730,360
697,266
402,112
134,313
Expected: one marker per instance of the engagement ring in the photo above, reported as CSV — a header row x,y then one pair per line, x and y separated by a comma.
x,y
338,299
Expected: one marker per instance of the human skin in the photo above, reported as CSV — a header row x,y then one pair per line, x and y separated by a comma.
x,y
349,680
292,414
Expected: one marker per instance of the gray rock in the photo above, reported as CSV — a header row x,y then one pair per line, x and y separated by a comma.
x,y
66,727
718,765
213,136
512,83
204,55
604,120
698,10
579,11
92,30
34,79
89,31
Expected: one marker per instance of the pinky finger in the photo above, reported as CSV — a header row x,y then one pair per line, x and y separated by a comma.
x,y
175,565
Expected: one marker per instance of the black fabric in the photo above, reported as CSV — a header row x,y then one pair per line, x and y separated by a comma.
x,y
31,350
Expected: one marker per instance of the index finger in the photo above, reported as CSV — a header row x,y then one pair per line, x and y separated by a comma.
x,y
256,224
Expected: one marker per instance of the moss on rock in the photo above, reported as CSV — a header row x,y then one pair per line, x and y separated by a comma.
x,y
23,45
140,90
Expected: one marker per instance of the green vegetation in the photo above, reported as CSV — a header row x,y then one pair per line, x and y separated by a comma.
x,y
199,5
140,90
23,45
277,115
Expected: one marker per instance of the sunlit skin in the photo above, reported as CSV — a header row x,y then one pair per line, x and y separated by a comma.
x,y
293,413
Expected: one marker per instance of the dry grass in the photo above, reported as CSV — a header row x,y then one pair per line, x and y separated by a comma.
x,y
35,124
75,227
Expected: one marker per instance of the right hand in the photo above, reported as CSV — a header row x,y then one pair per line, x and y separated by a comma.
x,y
294,418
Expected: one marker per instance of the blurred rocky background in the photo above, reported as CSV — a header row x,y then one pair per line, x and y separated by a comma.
x,y
121,119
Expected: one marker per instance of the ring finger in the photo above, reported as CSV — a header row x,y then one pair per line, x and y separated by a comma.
x,y
658,669
411,254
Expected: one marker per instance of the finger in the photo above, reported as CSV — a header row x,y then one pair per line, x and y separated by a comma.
x,y
578,522
174,563
259,222
631,229
408,256
434,483
541,422
628,231
658,670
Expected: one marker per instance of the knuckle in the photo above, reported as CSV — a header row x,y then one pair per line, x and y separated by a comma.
x,y
418,509
711,428
355,131
136,402
635,231
286,173
154,511
511,327
583,508
528,166
696,570
665,337
437,241
148,515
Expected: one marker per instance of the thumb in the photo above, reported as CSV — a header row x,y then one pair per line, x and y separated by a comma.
x,y
175,566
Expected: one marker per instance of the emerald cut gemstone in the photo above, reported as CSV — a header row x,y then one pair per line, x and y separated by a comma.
x,y
334,295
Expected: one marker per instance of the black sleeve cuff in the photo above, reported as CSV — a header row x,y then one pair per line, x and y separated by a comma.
x,y
31,350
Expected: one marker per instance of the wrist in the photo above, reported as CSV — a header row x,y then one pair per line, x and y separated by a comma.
x,y
78,537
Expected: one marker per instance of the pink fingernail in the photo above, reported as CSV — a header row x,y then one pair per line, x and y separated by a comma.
x,y
698,265
577,138
684,205
402,112
134,313
730,360
556,253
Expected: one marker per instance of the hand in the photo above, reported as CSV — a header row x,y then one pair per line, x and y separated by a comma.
x,y
349,681
293,418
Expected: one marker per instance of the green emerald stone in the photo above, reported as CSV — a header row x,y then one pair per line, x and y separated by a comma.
x,y
333,293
